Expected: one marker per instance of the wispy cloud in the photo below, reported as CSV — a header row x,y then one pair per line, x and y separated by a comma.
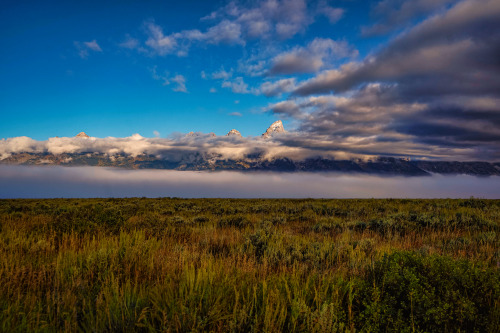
x,y
240,22
166,80
237,85
130,43
332,13
84,48
181,83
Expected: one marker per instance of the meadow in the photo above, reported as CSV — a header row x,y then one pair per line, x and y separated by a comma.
x,y
231,265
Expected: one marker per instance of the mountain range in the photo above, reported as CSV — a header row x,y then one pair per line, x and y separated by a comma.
x,y
198,161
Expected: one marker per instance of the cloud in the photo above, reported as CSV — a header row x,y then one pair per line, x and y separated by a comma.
x,y
92,182
226,32
240,22
85,47
213,90
181,83
333,14
130,43
287,109
447,52
178,43
394,14
236,114
160,77
434,87
180,80
93,46
222,74
277,88
316,55
237,85
158,42
378,120
266,19
350,138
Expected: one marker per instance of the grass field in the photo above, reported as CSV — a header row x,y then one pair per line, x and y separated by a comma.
x,y
226,265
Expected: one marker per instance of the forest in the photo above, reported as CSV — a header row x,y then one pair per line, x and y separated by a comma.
x,y
249,265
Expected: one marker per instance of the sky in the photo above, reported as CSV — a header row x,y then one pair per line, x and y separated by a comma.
x,y
347,77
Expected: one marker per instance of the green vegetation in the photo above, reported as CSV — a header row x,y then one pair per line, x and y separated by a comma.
x,y
226,265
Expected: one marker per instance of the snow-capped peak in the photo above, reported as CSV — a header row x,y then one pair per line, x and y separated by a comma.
x,y
276,127
82,135
233,132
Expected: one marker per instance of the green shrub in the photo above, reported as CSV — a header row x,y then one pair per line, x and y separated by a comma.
x,y
236,221
406,291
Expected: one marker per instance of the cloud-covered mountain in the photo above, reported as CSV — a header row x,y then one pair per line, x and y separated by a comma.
x,y
275,150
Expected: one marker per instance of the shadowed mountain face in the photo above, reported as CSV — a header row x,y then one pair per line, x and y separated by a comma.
x,y
212,162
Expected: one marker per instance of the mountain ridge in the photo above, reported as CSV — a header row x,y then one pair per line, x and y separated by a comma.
x,y
213,161
199,162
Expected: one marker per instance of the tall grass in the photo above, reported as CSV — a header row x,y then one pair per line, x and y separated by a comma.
x,y
249,265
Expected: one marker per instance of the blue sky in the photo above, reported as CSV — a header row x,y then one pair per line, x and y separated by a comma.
x,y
54,84
411,78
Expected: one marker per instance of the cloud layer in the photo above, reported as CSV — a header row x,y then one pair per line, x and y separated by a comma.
x,y
343,144
83,182
437,83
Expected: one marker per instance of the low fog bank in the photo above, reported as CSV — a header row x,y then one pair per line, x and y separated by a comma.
x,y
86,182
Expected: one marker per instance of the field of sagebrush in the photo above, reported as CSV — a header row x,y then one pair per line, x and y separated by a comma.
x,y
226,265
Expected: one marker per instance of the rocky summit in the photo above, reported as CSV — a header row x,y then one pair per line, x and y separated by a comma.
x,y
233,132
82,135
275,128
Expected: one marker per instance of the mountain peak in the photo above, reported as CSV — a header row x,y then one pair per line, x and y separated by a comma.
x,y
233,132
276,127
82,135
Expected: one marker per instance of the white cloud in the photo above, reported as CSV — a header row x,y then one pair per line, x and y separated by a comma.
x,y
157,40
333,14
85,47
93,46
277,88
266,19
222,74
225,32
129,43
180,80
163,77
237,23
237,85
181,83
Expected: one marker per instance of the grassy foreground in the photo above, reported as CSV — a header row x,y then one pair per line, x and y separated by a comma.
x,y
250,265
